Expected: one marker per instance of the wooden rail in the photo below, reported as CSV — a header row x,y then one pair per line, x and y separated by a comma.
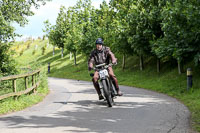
x,y
35,84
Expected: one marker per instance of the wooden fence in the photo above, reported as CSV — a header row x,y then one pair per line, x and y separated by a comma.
x,y
15,93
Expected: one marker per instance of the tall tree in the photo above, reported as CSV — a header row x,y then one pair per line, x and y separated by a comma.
x,y
178,31
12,11
74,33
140,31
119,28
50,31
88,18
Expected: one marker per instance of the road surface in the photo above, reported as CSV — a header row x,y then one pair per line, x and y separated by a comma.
x,y
73,106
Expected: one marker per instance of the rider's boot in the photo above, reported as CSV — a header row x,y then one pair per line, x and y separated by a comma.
x,y
115,83
101,97
119,93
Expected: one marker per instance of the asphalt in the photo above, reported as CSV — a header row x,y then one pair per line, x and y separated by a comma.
x,y
73,106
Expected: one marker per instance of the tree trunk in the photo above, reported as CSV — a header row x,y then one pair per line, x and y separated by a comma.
x,y
62,53
70,56
47,44
141,63
158,65
75,58
53,50
123,62
180,67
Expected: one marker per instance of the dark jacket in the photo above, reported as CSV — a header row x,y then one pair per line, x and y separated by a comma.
x,y
98,57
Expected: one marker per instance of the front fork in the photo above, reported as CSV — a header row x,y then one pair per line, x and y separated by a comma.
x,y
100,84
111,89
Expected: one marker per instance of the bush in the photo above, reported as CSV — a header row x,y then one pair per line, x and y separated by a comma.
x,y
43,38
7,65
28,45
43,49
34,51
21,52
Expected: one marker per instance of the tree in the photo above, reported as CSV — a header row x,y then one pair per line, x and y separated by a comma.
x,y
140,31
155,20
119,28
49,29
61,28
12,11
57,34
89,22
74,33
178,30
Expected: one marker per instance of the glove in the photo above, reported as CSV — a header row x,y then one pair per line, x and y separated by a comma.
x,y
114,63
89,68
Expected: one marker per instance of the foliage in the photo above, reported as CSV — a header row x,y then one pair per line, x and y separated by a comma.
x,y
43,49
165,29
89,29
12,11
7,64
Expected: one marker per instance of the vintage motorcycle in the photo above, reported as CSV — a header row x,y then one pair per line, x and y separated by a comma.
x,y
105,83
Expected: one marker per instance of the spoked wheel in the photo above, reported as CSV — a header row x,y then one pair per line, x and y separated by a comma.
x,y
107,92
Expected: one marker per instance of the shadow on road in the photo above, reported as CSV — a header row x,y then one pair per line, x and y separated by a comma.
x,y
94,115
91,116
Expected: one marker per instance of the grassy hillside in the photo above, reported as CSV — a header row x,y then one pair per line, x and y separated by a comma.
x,y
25,61
168,81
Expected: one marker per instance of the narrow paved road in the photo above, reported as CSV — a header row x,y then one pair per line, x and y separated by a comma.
x,y
72,107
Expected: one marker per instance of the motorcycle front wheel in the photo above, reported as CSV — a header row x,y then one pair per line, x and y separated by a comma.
x,y
107,92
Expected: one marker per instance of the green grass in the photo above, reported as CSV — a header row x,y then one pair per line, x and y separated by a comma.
x,y
9,105
168,81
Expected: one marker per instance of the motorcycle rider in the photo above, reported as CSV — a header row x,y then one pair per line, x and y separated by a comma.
x,y
102,54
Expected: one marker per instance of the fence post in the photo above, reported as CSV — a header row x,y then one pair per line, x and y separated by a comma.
x,y
14,88
26,83
37,76
33,83
48,67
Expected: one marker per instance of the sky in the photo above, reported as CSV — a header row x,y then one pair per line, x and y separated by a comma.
x,y
47,12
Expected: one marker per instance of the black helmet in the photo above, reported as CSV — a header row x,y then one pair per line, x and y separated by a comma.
x,y
99,41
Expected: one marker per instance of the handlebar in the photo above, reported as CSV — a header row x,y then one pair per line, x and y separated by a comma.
x,y
103,65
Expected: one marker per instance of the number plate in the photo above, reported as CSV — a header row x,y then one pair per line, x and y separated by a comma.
x,y
103,73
